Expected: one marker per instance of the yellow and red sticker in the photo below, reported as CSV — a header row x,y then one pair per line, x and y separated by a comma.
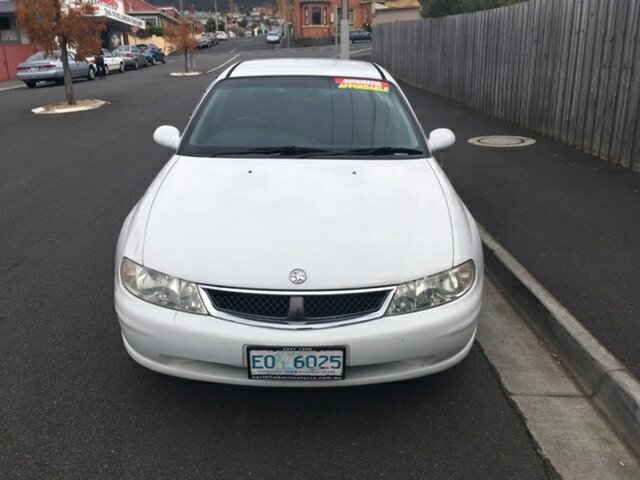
x,y
362,84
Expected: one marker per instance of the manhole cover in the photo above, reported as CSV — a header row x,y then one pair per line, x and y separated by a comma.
x,y
502,141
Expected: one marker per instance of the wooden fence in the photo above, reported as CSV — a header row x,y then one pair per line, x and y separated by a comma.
x,y
566,69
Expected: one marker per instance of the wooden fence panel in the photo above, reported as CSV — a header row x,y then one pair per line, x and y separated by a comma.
x,y
566,69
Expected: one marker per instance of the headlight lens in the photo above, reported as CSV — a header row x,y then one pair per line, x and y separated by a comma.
x,y
432,291
161,289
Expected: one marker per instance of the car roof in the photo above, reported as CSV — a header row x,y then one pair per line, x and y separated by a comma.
x,y
323,67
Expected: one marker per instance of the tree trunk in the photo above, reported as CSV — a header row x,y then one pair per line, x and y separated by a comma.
x,y
68,87
186,60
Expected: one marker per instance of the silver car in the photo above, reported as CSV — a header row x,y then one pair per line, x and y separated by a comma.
x,y
47,67
132,56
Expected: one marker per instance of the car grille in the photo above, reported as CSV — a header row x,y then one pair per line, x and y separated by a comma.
x,y
307,308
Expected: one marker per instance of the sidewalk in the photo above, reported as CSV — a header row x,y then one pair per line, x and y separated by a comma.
x,y
11,85
572,220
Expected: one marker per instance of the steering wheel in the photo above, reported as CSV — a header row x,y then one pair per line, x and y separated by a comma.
x,y
246,120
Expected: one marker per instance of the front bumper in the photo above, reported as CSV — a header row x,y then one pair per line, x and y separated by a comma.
x,y
202,347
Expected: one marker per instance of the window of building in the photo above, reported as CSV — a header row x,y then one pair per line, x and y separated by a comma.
x,y
315,16
324,16
306,16
8,30
351,15
150,20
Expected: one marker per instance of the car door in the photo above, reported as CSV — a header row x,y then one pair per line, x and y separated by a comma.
x,y
109,59
74,66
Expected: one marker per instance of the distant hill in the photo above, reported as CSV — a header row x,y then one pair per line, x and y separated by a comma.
x,y
207,5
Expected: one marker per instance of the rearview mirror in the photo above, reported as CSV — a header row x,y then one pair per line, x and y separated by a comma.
x,y
441,139
167,136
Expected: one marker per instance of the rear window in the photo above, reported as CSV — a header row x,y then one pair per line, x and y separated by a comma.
x,y
39,56
324,113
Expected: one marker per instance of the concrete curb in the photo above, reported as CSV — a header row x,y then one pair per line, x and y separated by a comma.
x,y
599,372
11,87
185,74
43,111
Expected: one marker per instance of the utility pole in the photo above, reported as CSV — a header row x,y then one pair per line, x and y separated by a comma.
x,y
215,6
335,28
344,31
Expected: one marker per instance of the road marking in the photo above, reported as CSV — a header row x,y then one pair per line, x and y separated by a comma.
x,y
359,51
220,66
234,49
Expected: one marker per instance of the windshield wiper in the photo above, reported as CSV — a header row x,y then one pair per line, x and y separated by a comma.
x,y
372,152
384,151
287,150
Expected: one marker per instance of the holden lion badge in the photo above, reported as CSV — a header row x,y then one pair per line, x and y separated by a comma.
x,y
297,276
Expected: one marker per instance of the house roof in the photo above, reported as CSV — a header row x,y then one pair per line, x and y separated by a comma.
x,y
139,6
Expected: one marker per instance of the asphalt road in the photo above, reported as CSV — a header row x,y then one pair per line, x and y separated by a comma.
x,y
72,403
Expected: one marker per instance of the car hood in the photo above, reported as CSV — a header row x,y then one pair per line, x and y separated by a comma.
x,y
348,223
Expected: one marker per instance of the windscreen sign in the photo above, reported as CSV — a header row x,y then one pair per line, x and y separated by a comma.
x,y
362,84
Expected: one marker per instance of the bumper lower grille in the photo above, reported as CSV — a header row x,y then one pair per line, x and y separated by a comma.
x,y
309,308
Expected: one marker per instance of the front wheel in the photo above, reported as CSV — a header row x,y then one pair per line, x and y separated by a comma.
x,y
164,59
135,65
121,68
153,60
91,75
30,83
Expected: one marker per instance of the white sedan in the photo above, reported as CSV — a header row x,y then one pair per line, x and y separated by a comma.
x,y
112,63
322,245
273,37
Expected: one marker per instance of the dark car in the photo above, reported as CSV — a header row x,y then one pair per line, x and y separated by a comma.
x,y
153,53
359,36
133,58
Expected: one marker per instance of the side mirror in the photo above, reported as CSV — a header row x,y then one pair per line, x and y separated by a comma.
x,y
167,136
441,139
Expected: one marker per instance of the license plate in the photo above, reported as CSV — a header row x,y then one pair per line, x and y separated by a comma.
x,y
34,69
296,363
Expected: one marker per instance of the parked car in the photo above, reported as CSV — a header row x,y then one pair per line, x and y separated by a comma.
x,y
203,41
367,266
247,34
222,36
152,53
212,38
133,58
273,37
45,67
112,62
359,35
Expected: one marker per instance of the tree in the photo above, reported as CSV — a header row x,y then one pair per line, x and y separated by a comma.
x,y
184,41
61,25
210,26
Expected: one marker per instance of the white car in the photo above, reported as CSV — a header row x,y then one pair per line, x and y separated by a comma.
x,y
273,37
112,62
302,233
222,36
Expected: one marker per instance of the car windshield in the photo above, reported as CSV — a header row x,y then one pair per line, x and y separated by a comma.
x,y
303,116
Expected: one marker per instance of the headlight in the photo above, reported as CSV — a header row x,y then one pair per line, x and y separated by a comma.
x,y
161,289
432,291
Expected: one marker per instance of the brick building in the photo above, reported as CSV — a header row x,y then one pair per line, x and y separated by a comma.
x,y
315,18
